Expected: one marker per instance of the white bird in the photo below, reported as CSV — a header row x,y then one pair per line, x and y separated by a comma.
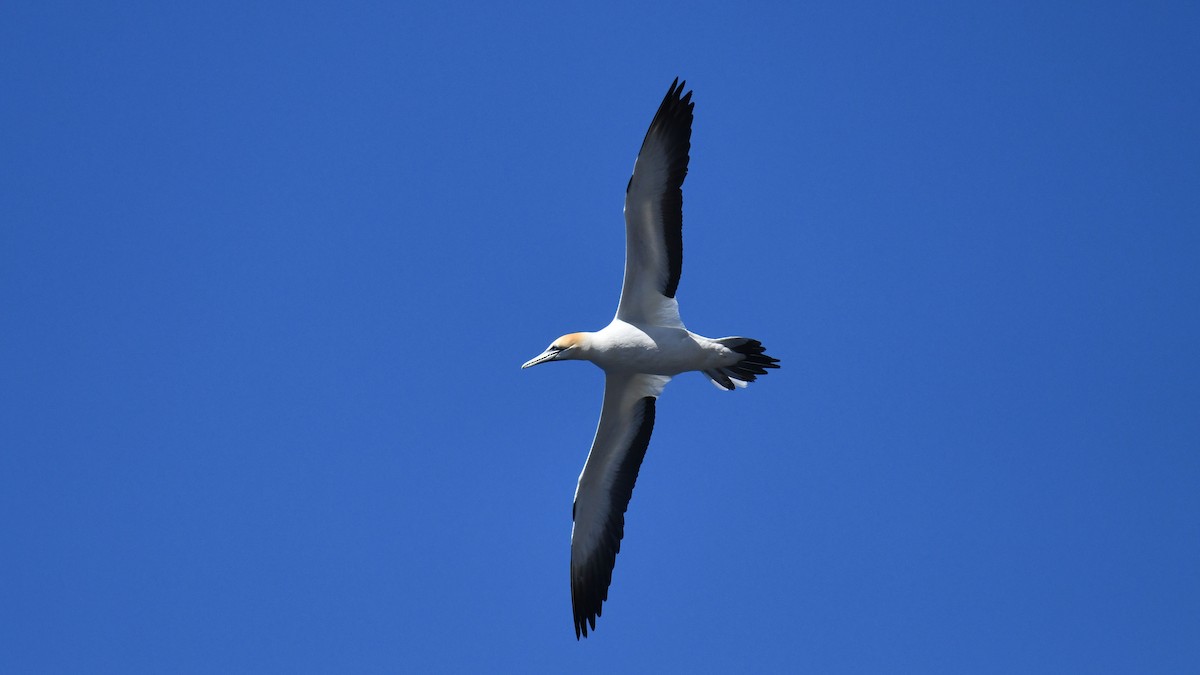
x,y
645,345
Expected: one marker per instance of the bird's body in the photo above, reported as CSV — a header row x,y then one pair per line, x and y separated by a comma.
x,y
655,350
644,346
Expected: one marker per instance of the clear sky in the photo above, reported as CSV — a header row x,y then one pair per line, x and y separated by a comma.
x,y
268,273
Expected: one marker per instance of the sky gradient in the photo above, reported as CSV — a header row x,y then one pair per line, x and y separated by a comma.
x,y
268,273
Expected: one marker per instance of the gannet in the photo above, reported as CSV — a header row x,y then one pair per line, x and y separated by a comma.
x,y
644,346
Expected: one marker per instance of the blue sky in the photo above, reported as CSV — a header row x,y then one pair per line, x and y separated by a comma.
x,y
268,272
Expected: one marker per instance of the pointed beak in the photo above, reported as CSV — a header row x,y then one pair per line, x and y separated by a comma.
x,y
547,355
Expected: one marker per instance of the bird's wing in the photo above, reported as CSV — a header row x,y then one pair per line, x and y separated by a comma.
x,y
654,215
626,420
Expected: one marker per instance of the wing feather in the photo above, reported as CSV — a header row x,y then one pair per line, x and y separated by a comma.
x,y
654,215
605,487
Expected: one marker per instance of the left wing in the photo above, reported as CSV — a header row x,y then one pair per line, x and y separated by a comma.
x,y
605,486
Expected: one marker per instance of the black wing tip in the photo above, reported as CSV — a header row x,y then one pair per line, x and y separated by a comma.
x,y
676,104
673,124
673,118
675,112
589,590
676,89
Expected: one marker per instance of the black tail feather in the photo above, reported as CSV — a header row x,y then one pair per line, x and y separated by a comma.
x,y
754,362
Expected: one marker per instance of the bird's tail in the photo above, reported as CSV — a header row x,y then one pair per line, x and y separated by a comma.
x,y
753,363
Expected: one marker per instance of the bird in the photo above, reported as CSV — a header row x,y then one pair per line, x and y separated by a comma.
x,y
640,350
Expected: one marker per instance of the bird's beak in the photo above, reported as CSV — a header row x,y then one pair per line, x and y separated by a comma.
x,y
547,355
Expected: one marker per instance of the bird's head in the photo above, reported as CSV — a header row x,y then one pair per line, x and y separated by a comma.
x,y
569,346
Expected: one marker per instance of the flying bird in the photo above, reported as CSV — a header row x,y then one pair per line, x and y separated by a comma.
x,y
644,346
